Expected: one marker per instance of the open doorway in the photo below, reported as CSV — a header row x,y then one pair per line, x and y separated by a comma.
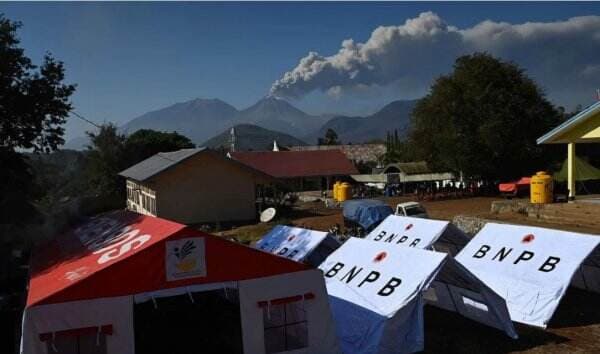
x,y
201,322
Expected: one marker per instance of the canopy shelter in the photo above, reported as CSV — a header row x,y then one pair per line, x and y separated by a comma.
x,y
298,244
366,212
376,295
583,171
582,128
122,283
530,267
454,288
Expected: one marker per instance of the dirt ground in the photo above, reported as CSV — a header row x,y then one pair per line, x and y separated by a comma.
x,y
575,327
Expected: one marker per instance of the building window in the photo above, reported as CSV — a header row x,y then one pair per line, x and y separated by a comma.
x,y
285,327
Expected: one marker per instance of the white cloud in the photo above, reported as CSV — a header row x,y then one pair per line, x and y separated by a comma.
x,y
561,55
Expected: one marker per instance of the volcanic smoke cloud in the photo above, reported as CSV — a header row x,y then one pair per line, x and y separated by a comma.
x,y
563,56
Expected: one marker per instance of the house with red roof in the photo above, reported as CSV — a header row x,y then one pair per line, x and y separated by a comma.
x,y
302,170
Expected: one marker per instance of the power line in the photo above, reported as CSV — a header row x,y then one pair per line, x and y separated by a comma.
x,y
84,119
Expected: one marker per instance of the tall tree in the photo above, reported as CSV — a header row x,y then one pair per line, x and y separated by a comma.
x,y
107,156
34,105
483,119
331,138
111,152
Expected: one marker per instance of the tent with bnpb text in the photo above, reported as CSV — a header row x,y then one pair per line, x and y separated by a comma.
x,y
298,244
375,293
454,288
531,267
438,235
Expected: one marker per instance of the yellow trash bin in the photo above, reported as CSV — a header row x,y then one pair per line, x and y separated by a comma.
x,y
541,188
336,186
344,192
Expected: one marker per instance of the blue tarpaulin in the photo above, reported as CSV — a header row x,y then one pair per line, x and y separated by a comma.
x,y
366,212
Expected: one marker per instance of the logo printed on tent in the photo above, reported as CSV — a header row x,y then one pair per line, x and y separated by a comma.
x,y
528,238
186,263
185,258
380,257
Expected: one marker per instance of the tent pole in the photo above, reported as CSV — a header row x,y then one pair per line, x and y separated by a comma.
x,y
571,170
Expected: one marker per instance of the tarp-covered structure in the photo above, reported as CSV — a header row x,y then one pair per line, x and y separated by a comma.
x,y
376,295
89,286
366,212
455,288
583,171
299,244
530,267
516,186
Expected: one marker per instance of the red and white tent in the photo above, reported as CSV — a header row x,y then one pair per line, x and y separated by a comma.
x,y
85,284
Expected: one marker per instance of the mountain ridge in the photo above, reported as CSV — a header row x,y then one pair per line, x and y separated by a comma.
x,y
201,119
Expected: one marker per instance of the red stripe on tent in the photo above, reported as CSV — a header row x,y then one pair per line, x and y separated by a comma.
x,y
286,300
76,272
106,329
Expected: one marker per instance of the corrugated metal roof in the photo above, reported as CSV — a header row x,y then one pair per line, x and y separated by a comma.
x,y
158,163
288,164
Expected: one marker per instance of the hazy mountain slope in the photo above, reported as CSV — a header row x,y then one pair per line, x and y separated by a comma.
x,y
77,143
252,137
395,115
277,114
198,119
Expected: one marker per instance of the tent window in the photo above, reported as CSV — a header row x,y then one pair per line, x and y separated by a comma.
x,y
285,327
474,304
82,344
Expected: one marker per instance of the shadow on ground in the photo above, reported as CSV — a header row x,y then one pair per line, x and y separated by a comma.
x,y
448,332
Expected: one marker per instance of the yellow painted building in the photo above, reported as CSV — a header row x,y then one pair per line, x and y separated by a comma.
x,y
193,186
583,128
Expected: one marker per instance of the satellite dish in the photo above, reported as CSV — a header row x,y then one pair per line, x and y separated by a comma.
x,y
267,215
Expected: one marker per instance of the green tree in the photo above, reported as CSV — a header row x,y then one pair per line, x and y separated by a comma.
x,y
107,157
146,142
331,138
34,105
111,152
396,150
483,119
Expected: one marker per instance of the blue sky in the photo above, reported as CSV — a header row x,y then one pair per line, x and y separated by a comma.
x,y
130,58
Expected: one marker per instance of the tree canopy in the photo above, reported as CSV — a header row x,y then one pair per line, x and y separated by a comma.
x,y
111,152
34,105
483,119
147,142
331,138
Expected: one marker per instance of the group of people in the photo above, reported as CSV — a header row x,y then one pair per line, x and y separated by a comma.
x,y
433,190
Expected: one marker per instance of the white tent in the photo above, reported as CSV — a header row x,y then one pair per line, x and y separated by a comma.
x,y
298,244
587,276
530,267
455,288
123,283
439,235
376,295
